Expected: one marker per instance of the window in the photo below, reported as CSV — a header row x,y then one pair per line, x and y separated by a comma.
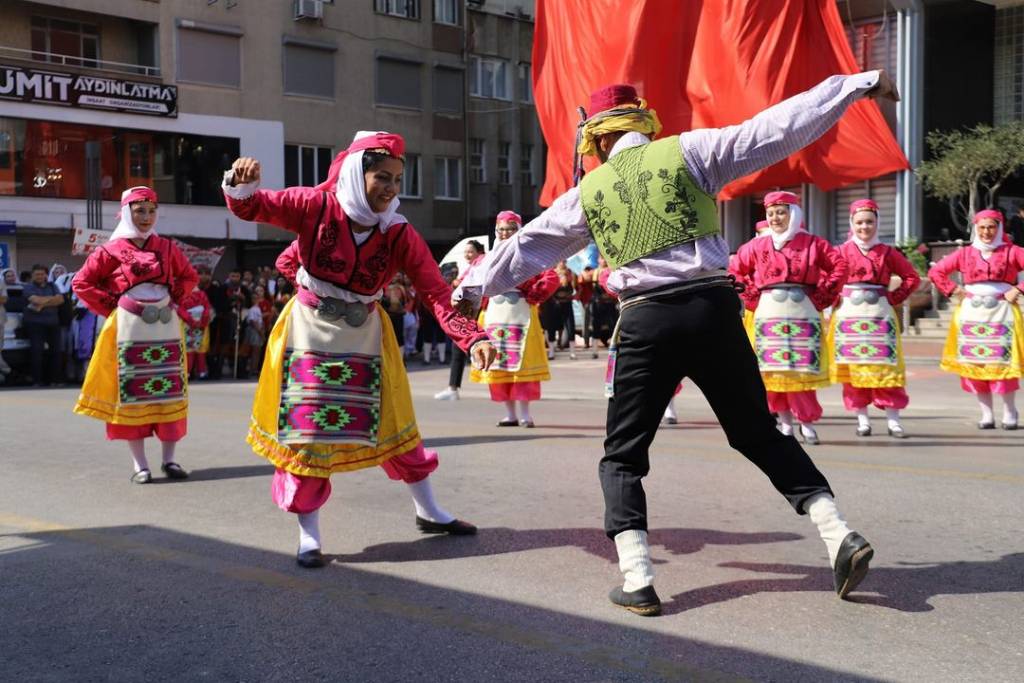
x,y
446,12
448,90
477,161
524,83
65,42
489,77
308,69
505,163
526,166
211,55
398,83
306,165
448,178
411,177
47,159
408,9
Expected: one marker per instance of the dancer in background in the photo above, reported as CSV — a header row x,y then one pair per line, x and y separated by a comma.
x,y
864,343
136,381
474,253
985,345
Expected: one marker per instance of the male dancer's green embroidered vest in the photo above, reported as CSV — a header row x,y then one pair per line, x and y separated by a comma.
x,y
643,200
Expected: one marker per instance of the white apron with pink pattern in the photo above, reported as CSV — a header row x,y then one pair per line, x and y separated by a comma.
x,y
787,331
985,325
865,327
507,322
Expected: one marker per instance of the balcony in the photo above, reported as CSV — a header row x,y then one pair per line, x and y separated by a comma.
x,y
76,63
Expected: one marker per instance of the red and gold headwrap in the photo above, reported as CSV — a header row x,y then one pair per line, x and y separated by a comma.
x,y
615,109
391,144
139,193
779,197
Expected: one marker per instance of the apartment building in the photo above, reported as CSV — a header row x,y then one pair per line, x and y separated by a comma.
x,y
169,92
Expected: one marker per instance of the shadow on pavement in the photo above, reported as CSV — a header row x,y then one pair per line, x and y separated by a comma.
x,y
502,540
918,440
505,436
906,588
237,472
138,603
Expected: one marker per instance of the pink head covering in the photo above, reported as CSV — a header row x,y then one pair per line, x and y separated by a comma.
x,y
988,247
864,205
773,198
510,217
761,228
139,193
345,179
126,228
391,143
612,96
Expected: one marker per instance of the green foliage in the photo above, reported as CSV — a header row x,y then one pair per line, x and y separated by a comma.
x,y
969,166
915,253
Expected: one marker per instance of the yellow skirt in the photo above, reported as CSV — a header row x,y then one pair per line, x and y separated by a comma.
x,y
397,432
985,371
865,375
100,395
534,367
785,382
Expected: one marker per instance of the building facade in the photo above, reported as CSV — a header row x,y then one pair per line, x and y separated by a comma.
x,y
169,92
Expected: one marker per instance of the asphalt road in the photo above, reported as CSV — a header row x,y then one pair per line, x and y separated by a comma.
x,y
104,580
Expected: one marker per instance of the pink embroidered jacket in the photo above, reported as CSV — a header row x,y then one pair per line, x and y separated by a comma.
x,y
328,251
117,266
1006,262
806,260
878,266
196,297
539,288
287,262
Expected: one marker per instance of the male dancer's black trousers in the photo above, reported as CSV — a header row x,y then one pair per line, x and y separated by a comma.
x,y
695,334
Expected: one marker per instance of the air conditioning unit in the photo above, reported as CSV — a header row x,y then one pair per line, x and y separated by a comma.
x,y
308,9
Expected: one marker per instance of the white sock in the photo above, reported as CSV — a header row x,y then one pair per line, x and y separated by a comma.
x,y
893,416
1009,407
634,559
510,411
524,410
985,403
862,418
138,451
440,353
785,418
426,506
427,348
309,531
670,411
168,450
807,430
831,526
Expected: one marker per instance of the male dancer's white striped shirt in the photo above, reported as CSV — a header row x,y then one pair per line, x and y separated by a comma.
x,y
713,156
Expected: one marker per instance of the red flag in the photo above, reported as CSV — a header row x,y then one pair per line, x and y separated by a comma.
x,y
705,65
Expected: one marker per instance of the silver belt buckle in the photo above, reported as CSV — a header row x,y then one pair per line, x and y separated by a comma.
x,y
500,299
165,314
356,313
990,301
780,295
329,308
857,297
150,314
797,295
871,296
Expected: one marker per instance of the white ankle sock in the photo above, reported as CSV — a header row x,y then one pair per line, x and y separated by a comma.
x,y
862,418
831,526
427,348
168,450
524,411
137,447
440,353
985,403
634,559
426,506
893,416
807,430
670,411
1009,407
309,531
510,410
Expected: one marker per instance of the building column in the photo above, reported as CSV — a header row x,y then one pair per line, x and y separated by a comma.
x,y
910,81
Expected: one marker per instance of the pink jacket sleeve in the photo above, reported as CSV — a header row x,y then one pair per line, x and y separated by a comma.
x,y
416,261
183,276
288,262
901,266
834,270
539,289
88,282
742,268
295,209
940,272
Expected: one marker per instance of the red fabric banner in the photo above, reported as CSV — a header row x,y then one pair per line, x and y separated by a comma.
x,y
705,64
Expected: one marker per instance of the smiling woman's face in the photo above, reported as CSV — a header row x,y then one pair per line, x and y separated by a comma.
x,y
383,183
778,217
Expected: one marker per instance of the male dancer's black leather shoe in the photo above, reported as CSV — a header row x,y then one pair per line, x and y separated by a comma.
x,y
311,559
456,527
851,563
644,601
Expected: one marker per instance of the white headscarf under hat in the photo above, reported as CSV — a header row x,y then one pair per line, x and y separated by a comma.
x,y
985,248
126,228
796,225
351,192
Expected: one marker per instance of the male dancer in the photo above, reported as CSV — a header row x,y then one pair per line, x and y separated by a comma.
x,y
651,210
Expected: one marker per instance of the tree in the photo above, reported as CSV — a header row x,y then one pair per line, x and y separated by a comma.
x,y
969,166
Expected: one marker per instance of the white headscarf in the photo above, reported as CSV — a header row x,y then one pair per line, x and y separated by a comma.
x,y
866,244
351,192
126,229
985,248
796,225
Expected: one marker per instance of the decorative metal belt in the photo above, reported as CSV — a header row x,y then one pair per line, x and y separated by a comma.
x,y
150,313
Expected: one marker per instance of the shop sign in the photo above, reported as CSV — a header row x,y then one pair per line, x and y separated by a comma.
x,y
92,92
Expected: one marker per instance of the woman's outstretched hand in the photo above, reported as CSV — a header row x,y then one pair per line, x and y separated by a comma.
x,y
245,170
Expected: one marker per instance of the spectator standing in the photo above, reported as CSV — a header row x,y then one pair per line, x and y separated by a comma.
x,y
5,369
42,324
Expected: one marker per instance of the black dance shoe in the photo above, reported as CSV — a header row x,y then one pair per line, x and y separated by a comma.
x,y
986,425
864,431
311,559
644,601
142,477
1010,426
508,423
456,527
174,471
851,563
897,432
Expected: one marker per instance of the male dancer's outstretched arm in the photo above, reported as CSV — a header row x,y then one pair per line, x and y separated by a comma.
x,y
714,157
